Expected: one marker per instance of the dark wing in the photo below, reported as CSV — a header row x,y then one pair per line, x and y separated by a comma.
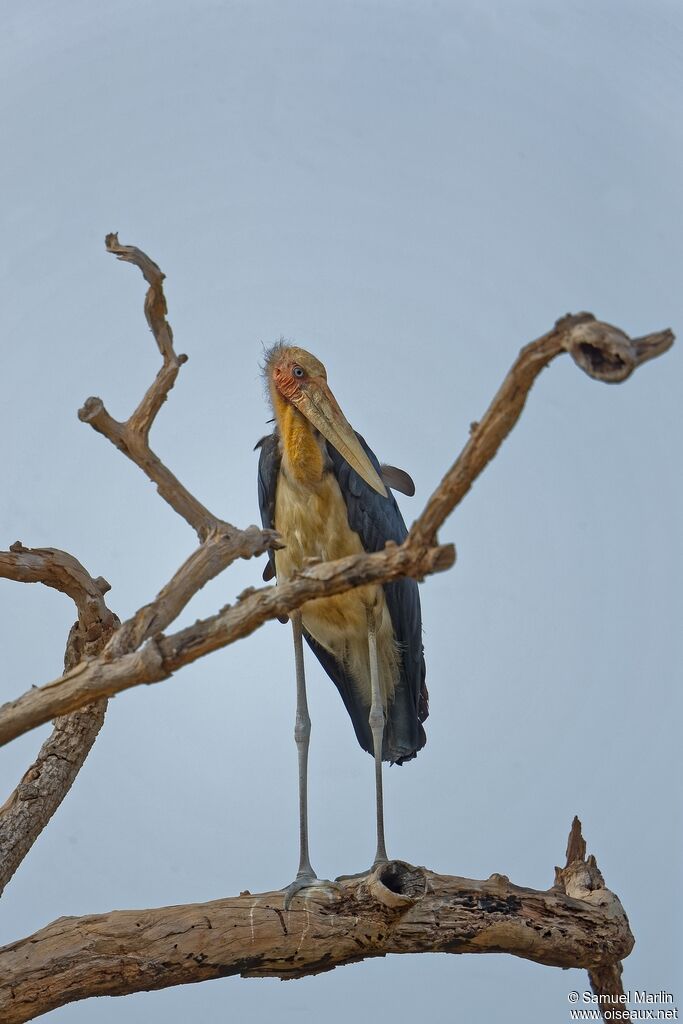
x,y
348,691
376,520
268,469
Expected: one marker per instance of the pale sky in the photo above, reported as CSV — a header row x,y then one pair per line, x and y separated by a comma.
x,y
412,191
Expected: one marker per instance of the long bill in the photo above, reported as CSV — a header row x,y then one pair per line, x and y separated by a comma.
x,y
319,406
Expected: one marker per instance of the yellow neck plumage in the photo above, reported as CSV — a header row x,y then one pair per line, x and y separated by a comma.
x,y
300,449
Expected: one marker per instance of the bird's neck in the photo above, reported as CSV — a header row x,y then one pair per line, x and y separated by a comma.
x,y
301,451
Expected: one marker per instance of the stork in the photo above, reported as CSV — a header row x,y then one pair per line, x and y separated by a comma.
x,y
322,488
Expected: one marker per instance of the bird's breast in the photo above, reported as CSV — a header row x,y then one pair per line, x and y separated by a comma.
x,y
313,522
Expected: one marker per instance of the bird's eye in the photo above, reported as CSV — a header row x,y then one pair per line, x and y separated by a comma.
x,y
297,371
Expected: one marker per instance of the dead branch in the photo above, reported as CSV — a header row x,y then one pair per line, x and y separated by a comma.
x,y
132,436
43,787
397,909
49,778
581,879
216,553
221,542
61,571
160,657
602,351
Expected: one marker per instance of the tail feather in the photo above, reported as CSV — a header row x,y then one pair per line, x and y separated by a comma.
x,y
403,731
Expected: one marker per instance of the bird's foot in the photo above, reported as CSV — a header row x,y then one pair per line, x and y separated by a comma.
x,y
363,874
306,880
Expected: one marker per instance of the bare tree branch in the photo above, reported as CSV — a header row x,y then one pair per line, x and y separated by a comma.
x,y
162,656
608,355
61,571
396,909
155,312
43,787
214,555
132,436
581,879
604,352
399,908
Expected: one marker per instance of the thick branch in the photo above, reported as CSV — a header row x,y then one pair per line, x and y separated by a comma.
x,y
43,787
581,879
397,909
160,657
604,352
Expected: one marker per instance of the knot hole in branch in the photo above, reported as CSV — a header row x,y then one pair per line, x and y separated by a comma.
x,y
397,884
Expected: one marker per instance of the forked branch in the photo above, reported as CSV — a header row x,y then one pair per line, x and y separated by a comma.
x,y
44,785
48,779
132,436
160,657
400,909
601,350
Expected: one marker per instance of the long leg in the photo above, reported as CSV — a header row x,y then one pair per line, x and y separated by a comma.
x,y
302,733
377,729
305,876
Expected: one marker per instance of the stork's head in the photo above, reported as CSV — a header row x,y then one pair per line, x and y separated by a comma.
x,y
296,377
